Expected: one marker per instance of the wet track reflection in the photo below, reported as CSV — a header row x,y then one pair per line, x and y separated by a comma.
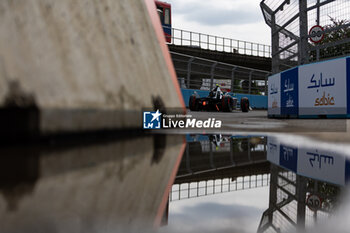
x,y
171,183
305,184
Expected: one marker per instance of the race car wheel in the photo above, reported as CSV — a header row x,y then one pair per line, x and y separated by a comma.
x,y
244,104
227,104
193,103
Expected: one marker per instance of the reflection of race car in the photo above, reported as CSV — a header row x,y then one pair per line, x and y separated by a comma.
x,y
217,101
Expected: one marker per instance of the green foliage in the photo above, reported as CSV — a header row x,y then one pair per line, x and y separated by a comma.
x,y
328,192
333,36
245,87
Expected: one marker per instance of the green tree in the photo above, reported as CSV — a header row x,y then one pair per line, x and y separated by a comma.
x,y
333,36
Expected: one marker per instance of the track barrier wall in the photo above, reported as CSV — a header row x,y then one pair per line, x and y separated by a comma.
x,y
318,90
84,68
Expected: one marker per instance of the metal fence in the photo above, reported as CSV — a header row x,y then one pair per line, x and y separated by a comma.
x,y
292,41
287,210
217,43
211,187
203,74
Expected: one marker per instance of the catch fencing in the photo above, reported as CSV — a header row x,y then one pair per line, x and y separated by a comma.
x,y
294,38
203,74
212,187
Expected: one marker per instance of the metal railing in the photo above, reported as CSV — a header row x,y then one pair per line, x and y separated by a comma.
x,y
291,22
287,210
211,187
204,74
217,43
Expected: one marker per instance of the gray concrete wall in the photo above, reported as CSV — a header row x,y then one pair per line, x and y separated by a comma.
x,y
87,65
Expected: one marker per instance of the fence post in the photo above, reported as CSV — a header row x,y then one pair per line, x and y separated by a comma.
x,y
275,46
212,71
189,63
172,36
223,44
303,46
264,54
318,23
250,82
215,42
266,84
190,38
181,37
232,153
208,41
301,207
233,79
188,160
211,157
200,41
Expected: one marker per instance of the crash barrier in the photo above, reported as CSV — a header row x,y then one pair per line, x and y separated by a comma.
x,y
199,73
255,101
318,90
321,164
76,69
305,31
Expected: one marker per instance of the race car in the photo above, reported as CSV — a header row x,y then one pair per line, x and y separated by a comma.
x,y
217,101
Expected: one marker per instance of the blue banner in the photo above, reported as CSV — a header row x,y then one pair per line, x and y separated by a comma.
x,y
289,93
289,158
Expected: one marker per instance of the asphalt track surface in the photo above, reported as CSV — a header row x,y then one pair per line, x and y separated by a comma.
x,y
332,130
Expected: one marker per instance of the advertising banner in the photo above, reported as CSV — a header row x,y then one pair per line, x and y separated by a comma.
x,y
289,92
320,164
274,95
273,150
323,165
322,88
289,157
312,90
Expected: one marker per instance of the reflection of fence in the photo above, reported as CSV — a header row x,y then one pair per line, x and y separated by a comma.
x,y
287,210
199,73
210,187
205,41
205,161
290,22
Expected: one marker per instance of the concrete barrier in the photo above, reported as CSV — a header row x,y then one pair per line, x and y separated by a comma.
x,y
256,101
317,90
82,65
